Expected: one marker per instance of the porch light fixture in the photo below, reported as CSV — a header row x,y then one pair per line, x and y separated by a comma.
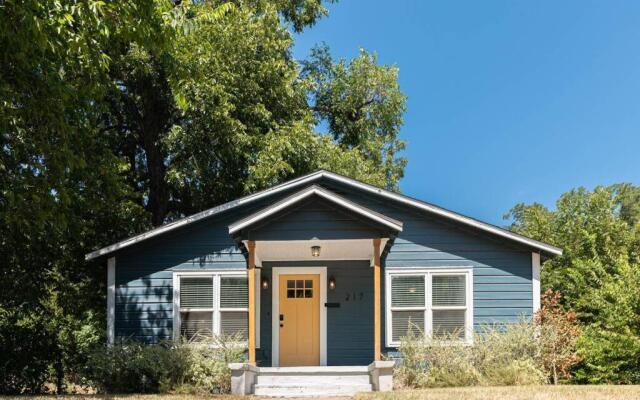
x,y
315,251
332,283
264,283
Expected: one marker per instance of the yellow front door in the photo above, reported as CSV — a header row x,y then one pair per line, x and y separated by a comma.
x,y
299,320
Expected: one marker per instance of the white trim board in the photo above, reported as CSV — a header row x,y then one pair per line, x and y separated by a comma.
x,y
433,209
275,309
535,281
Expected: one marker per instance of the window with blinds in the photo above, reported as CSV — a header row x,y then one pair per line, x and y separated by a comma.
x,y
408,305
448,303
234,311
213,304
433,302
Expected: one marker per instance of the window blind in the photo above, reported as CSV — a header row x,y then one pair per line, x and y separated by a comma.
x,y
447,323
234,323
403,322
407,291
448,290
196,292
196,324
234,292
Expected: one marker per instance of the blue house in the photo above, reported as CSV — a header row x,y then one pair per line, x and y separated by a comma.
x,y
322,270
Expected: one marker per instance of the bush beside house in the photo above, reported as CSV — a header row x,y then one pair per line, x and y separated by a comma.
x,y
187,368
524,353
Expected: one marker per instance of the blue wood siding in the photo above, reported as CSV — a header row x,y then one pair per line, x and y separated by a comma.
x,y
501,270
502,274
314,218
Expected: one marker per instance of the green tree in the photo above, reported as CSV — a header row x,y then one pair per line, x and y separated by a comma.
x,y
224,110
597,273
60,189
117,116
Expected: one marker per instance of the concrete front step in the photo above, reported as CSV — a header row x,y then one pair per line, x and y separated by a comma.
x,y
310,381
326,376
309,390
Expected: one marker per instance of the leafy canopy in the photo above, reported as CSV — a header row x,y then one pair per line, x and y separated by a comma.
x,y
598,273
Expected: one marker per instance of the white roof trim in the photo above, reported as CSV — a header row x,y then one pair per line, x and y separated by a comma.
x,y
318,191
339,178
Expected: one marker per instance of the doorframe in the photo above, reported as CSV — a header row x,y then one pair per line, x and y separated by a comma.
x,y
275,308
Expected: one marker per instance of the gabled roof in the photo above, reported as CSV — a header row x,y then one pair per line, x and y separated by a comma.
x,y
315,190
315,176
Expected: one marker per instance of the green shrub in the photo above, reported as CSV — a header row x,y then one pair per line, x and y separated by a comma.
x,y
503,354
189,367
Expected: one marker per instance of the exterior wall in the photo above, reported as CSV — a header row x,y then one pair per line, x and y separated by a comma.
x,y
349,327
502,273
144,285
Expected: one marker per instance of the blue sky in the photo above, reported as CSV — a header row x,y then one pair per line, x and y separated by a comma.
x,y
508,101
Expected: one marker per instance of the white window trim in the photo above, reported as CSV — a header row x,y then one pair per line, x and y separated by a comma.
x,y
467,271
275,309
215,309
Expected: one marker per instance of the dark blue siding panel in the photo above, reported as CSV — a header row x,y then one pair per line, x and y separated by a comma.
x,y
314,219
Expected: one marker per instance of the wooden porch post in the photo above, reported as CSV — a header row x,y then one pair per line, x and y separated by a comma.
x,y
377,321
251,277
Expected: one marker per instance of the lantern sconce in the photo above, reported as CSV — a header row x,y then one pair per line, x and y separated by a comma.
x,y
315,251
265,283
332,283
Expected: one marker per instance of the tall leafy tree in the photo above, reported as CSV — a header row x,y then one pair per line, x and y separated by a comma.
x,y
597,273
60,189
224,109
116,116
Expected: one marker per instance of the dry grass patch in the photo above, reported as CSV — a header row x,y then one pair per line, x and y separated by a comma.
x,y
561,392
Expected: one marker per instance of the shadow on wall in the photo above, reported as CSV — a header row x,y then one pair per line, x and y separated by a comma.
x,y
144,277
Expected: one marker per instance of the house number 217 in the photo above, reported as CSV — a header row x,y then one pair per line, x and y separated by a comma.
x,y
354,296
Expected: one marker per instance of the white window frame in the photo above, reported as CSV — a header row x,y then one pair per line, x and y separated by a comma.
x,y
428,308
215,307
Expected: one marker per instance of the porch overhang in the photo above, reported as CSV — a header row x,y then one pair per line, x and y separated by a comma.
x,y
336,246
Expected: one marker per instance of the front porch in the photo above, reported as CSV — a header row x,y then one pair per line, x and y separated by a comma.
x,y
314,280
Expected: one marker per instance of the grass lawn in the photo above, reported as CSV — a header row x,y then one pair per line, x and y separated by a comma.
x,y
604,392
568,392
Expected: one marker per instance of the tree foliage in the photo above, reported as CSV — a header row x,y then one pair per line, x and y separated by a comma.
x,y
117,116
597,274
